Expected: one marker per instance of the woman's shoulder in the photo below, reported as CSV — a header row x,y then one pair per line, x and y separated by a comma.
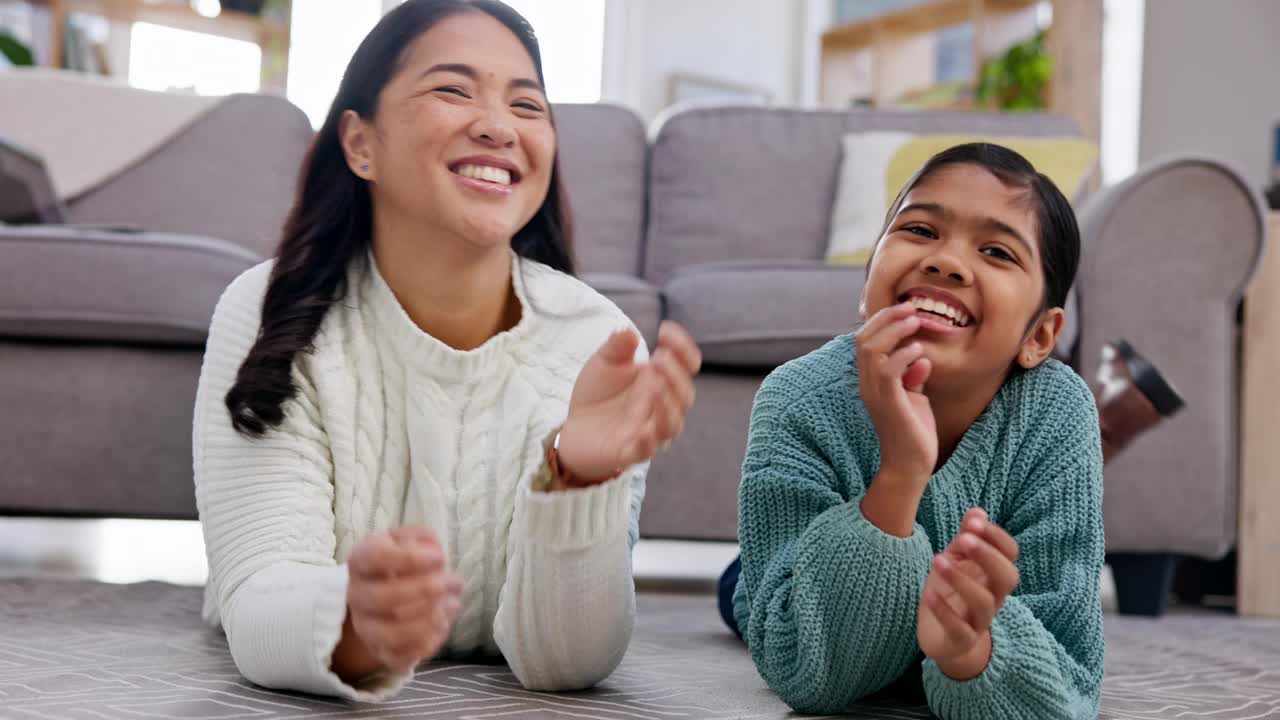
x,y
572,312
239,309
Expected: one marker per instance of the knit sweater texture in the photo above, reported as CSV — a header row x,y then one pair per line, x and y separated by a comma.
x,y
828,602
391,427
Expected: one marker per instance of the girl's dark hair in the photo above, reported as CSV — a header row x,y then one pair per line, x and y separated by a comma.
x,y
1058,233
330,223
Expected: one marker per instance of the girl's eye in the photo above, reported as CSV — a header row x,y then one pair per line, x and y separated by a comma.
x,y
453,90
998,253
921,230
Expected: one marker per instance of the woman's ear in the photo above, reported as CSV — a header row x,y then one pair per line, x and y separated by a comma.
x,y
356,137
1041,338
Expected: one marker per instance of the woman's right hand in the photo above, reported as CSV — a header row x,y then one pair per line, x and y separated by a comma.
x,y
402,599
891,377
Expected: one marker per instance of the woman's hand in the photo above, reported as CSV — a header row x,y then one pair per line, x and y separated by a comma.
x,y
891,377
402,599
965,589
622,412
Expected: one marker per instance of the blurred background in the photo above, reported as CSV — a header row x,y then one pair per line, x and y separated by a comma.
x,y
1141,78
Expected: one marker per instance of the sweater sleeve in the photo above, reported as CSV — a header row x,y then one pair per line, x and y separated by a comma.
x,y
1047,640
568,604
266,508
830,600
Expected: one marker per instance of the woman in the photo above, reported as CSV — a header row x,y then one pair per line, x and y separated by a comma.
x,y
416,433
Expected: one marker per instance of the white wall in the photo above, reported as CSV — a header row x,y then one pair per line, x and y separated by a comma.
x,y
1210,82
757,43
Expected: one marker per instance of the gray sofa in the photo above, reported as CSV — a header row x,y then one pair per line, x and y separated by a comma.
x,y
718,221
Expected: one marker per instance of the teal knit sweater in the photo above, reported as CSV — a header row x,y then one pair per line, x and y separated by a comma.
x,y
827,601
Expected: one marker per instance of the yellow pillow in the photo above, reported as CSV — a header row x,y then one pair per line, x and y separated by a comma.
x,y
876,165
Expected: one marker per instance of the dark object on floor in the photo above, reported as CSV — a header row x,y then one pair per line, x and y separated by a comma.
x,y
728,583
1143,582
1197,578
1132,397
253,7
81,649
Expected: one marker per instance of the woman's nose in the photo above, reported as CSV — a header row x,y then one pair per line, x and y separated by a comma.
x,y
494,129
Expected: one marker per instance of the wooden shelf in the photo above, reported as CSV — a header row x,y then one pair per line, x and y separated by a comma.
x,y
271,35
916,20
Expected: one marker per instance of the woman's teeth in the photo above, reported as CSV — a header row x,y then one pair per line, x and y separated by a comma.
x,y
489,173
953,316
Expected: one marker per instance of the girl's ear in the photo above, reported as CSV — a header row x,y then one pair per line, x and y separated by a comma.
x,y
1042,338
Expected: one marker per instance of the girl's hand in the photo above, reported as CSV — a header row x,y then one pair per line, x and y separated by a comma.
x,y
891,377
966,587
402,599
622,412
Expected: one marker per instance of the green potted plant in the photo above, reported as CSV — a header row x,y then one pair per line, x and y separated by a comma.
x,y
1018,79
14,51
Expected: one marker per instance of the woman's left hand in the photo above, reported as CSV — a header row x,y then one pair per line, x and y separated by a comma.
x,y
967,586
621,412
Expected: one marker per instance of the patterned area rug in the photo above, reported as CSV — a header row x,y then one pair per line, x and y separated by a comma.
x,y
73,650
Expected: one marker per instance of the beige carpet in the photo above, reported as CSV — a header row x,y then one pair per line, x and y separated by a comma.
x,y
72,650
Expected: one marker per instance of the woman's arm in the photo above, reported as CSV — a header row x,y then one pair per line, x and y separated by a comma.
x,y
266,508
567,607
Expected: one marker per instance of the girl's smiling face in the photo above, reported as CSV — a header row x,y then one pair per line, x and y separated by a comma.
x,y
964,248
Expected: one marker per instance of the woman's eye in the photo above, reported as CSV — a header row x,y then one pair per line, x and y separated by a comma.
x,y
997,253
453,90
921,231
528,106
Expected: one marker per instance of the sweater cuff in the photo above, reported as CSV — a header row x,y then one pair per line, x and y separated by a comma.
x,y
882,543
578,517
290,621
1021,680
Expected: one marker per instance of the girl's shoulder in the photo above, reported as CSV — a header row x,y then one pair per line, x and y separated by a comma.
x,y
1052,409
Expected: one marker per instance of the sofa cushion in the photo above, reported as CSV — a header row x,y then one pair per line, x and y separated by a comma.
x,y
758,183
86,285
635,297
762,314
603,153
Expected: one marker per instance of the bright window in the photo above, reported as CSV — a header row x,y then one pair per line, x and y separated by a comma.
x,y
165,58
325,35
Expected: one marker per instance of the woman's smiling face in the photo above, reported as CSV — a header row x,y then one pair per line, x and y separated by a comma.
x,y
963,248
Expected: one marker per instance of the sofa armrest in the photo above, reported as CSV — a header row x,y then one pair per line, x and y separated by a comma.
x,y
71,284
1167,255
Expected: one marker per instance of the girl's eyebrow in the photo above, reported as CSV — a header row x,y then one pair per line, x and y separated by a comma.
x,y
989,223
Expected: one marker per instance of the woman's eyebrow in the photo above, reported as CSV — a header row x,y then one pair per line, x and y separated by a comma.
x,y
470,72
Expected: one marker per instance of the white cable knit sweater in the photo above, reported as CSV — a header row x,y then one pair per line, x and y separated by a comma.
x,y
392,427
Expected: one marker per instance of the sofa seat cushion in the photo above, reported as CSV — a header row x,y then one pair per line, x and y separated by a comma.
x,y
638,299
760,314
64,283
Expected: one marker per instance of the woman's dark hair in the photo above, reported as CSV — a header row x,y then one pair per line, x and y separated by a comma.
x,y
1058,233
330,222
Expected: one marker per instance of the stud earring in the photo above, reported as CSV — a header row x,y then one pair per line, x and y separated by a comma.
x,y
364,168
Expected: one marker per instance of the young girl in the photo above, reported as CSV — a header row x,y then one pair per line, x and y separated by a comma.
x,y
415,432
933,484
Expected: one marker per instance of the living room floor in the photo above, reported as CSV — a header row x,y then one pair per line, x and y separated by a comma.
x,y
74,648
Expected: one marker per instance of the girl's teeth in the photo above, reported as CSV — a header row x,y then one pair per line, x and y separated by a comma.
x,y
952,315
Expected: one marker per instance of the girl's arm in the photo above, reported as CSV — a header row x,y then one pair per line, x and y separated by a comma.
x,y
1046,641
830,599
266,508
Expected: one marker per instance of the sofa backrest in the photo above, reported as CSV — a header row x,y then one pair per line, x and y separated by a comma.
x,y
758,183
230,175
603,154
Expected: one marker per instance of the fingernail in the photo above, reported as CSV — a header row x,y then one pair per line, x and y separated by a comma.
x,y
968,541
941,562
977,525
